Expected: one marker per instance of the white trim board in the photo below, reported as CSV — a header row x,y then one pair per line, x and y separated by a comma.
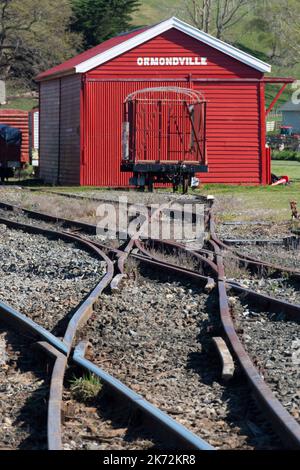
x,y
160,28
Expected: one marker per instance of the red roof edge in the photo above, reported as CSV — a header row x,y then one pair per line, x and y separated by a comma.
x,y
69,67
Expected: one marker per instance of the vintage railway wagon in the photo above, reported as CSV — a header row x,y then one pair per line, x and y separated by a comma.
x,y
163,137
81,105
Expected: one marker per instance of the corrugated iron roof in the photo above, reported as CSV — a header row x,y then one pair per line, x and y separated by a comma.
x,y
120,44
70,65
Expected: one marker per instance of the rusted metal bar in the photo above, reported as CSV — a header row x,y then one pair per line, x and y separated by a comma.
x,y
267,302
85,311
79,318
54,433
284,423
176,433
278,95
181,247
20,321
84,226
204,280
216,244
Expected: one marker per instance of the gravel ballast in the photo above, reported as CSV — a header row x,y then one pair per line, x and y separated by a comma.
x,y
278,255
84,205
281,288
102,424
24,389
278,284
273,343
156,338
44,278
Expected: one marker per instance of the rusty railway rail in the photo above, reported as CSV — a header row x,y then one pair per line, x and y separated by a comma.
x,y
61,353
57,349
285,425
283,422
247,260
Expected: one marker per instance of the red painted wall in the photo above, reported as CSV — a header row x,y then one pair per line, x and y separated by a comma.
x,y
235,141
233,133
174,43
103,115
20,120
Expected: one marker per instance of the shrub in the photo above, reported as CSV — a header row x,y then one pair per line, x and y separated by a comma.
x,y
286,155
26,172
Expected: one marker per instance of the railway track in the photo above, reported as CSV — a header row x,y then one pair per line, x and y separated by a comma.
x,y
38,268
179,433
272,341
24,380
211,270
130,337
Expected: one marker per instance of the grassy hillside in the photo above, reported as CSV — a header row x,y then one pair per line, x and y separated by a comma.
x,y
153,11
18,97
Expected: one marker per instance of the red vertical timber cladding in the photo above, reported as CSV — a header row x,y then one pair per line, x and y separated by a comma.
x,y
103,115
265,170
174,43
69,152
233,133
20,120
235,121
235,139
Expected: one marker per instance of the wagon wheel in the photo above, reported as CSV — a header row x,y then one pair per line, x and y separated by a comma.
x,y
150,184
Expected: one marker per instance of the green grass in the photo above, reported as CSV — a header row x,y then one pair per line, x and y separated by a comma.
x,y
153,11
264,203
271,91
25,104
277,118
291,169
73,189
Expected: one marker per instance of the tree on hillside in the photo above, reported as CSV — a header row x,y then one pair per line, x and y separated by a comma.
x,y
216,16
277,25
34,36
99,20
199,13
274,23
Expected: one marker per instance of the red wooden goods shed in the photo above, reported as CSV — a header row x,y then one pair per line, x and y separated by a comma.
x,y
81,104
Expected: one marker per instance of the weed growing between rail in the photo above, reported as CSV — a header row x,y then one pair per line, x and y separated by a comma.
x,y
86,388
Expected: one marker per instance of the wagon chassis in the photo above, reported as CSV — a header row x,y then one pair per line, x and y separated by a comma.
x,y
175,173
